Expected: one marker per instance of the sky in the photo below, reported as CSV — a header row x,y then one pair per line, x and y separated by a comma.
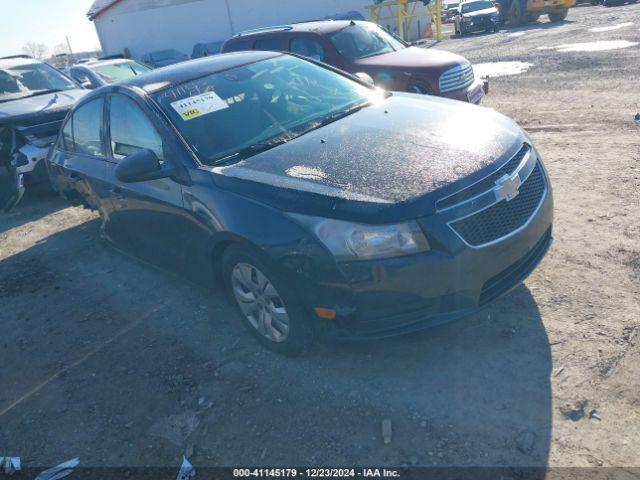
x,y
47,22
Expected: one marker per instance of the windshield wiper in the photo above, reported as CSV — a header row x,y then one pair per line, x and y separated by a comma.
x,y
39,92
254,149
290,135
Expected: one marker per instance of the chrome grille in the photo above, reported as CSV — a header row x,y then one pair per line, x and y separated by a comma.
x,y
456,78
486,183
504,217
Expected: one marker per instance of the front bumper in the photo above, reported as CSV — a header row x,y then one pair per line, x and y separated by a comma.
x,y
474,93
394,296
480,24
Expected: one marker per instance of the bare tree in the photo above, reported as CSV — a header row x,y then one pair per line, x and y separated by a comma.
x,y
36,50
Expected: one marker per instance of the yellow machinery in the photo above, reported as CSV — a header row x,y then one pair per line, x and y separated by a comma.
x,y
403,12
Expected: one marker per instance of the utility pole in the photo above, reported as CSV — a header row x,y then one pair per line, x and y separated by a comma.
x,y
70,51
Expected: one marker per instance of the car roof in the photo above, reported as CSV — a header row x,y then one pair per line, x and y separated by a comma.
x,y
97,63
16,61
321,27
183,72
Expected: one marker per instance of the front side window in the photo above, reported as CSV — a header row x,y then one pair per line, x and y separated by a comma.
x,y
131,130
253,106
307,47
66,142
237,46
274,44
87,123
363,40
31,79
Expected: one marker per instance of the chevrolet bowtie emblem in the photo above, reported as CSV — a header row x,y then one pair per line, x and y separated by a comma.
x,y
507,187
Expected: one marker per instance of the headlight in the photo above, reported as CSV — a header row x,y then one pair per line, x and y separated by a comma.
x,y
357,241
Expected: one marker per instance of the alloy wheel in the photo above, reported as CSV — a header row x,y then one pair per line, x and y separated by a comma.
x,y
260,302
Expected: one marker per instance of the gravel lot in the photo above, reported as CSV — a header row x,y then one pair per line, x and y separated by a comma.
x,y
110,360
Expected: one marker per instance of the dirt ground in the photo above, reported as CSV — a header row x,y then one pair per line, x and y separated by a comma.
x,y
110,360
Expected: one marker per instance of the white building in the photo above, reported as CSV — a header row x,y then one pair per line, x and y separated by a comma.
x,y
142,26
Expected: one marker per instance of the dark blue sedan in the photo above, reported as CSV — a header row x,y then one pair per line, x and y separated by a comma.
x,y
323,205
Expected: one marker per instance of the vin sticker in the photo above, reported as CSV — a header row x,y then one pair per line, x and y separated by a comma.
x,y
196,106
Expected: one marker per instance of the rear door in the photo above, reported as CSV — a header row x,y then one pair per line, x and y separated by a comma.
x,y
78,160
148,217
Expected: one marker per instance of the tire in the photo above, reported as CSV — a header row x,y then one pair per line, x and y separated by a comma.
x,y
496,29
558,15
265,301
516,14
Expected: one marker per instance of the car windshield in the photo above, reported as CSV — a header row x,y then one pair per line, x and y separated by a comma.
x,y
116,72
165,55
475,6
31,79
253,107
361,40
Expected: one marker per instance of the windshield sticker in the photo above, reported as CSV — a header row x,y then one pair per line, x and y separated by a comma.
x,y
193,107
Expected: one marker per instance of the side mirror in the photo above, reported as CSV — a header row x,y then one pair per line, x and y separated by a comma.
x,y
366,78
140,166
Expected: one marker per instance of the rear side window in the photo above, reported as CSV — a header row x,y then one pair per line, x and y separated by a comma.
x,y
67,136
131,129
87,123
237,46
307,47
268,44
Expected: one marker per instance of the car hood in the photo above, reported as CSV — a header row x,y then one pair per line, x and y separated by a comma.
x,y
26,109
390,161
481,13
413,58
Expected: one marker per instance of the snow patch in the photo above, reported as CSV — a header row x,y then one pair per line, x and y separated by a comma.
x,y
611,28
601,46
308,173
516,34
500,69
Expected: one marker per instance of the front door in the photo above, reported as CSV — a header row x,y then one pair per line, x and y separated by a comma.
x,y
147,217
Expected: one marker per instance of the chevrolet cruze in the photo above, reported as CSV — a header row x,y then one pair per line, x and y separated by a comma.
x,y
323,205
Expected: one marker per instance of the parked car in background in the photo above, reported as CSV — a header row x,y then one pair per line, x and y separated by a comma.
x,y
319,201
613,3
350,15
34,99
206,49
97,73
449,11
477,16
162,58
368,50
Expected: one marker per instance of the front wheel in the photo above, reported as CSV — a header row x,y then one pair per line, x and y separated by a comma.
x,y
516,14
558,15
265,301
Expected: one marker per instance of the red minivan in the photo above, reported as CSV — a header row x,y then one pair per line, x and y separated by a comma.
x,y
361,47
